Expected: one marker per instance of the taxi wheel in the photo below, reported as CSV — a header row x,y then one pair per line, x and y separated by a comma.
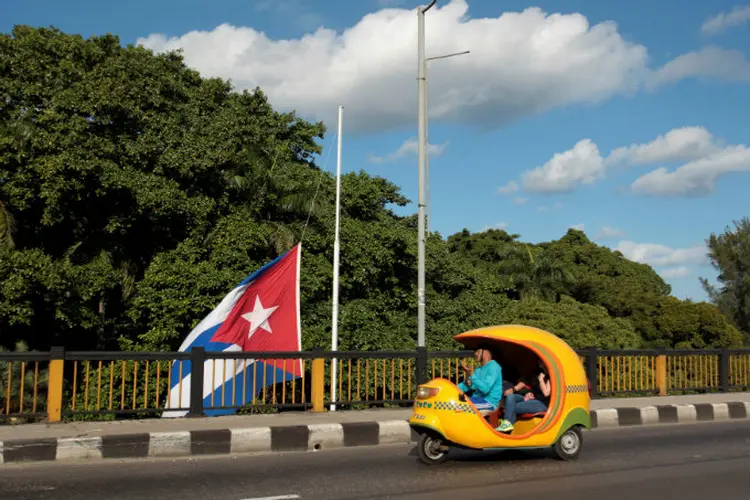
x,y
569,446
429,449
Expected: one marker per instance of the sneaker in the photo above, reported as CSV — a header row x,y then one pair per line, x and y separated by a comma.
x,y
504,426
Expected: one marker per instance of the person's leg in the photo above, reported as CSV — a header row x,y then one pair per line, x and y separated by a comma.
x,y
530,406
511,410
511,407
482,404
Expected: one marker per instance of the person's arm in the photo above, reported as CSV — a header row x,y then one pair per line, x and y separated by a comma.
x,y
544,385
489,375
515,388
463,386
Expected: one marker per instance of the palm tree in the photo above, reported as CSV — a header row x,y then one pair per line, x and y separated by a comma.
x,y
7,226
533,276
20,130
259,182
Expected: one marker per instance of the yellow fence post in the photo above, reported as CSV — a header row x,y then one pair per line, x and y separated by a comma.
x,y
661,374
318,385
55,384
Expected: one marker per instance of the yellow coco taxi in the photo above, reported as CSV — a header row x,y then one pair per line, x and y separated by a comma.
x,y
445,417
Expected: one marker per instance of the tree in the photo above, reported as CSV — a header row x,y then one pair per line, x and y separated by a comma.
x,y
135,193
111,156
486,247
534,276
7,226
730,256
688,325
604,277
580,325
15,136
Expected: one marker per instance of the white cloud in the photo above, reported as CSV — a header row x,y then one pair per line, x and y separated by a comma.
x,y
679,144
409,147
707,157
499,225
675,261
520,200
709,62
737,16
509,188
578,227
694,178
521,63
607,232
655,254
564,171
675,272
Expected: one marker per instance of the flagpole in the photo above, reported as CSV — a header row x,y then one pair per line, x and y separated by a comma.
x,y
336,251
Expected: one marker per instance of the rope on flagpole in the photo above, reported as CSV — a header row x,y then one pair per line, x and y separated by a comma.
x,y
317,188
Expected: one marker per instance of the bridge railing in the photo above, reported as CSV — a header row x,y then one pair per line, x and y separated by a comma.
x,y
672,371
59,385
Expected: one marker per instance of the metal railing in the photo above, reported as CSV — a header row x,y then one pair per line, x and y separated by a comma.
x,y
59,385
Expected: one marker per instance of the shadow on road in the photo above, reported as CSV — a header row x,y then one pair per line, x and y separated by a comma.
x,y
502,456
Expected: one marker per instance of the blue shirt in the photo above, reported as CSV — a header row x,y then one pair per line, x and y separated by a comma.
x,y
487,381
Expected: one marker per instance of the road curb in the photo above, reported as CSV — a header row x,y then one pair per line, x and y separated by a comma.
x,y
313,437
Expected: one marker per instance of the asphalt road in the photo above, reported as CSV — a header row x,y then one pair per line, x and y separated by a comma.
x,y
684,462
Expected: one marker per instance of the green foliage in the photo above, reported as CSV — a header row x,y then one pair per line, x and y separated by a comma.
x,y
23,385
606,269
533,276
135,193
730,256
689,325
580,325
113,158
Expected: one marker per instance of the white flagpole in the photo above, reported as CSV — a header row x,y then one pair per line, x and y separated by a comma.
x,y
336,249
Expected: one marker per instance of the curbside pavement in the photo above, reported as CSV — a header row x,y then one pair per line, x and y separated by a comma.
x,y
313,437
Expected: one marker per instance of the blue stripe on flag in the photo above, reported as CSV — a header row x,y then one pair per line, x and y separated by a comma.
x,y
257,371
203,339
260,272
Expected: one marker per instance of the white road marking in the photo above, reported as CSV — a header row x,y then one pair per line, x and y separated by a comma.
x,y
280,497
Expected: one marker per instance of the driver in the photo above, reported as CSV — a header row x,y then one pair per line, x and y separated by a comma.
x,y
485,383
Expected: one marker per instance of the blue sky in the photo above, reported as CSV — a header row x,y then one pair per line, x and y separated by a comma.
x,y
623,117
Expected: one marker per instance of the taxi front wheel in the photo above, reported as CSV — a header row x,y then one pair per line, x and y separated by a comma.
x,y
431,449
569,446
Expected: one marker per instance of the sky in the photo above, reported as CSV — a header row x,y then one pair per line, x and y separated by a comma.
x,y
624,119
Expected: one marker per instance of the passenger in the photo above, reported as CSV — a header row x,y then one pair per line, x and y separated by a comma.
x,y
485,384
520,387
521,400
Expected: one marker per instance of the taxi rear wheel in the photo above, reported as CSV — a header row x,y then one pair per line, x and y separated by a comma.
x,y
431,449
570,444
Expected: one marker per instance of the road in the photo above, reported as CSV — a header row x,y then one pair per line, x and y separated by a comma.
x,y
696,461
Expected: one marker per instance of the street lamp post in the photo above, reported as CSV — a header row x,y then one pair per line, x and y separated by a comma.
x,y
428,210
421,153
427,149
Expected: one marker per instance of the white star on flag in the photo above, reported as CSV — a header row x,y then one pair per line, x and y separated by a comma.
x,y
258,317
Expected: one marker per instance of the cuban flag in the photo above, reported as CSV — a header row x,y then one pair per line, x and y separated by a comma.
x,y
261,314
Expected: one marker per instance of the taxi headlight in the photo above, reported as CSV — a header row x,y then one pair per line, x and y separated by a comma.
x,y
425,392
